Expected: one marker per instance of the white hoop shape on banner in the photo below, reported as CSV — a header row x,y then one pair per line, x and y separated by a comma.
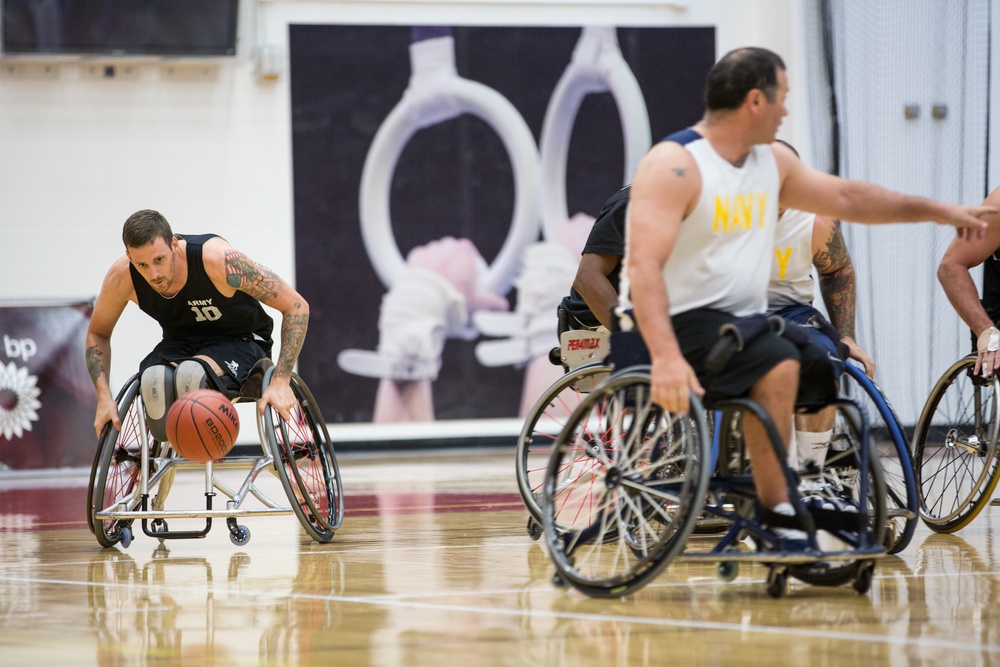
x,y
597,66
436,93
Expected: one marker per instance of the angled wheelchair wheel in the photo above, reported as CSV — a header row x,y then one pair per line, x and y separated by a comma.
x,y
542,427
849,510
623,488
114,477
892,449
305,462
955,448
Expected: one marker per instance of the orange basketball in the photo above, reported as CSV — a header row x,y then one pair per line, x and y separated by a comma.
x,y
202,425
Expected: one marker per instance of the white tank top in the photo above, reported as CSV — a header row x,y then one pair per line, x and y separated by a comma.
x,y
723,254
791,266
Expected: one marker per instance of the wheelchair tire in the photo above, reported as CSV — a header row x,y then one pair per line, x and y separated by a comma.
x,y
306,463
542,426
955,448
623,488
117,466
892,450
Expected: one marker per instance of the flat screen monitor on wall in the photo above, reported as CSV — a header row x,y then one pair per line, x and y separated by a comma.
x,y
120,27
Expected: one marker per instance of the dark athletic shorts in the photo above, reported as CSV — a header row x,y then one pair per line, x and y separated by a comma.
x,y
235,356
697,332
801,314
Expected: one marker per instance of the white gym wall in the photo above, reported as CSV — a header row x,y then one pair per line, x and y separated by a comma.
x,y
208,142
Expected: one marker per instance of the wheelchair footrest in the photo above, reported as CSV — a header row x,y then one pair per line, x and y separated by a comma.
x,y
192,514
789,557
164,534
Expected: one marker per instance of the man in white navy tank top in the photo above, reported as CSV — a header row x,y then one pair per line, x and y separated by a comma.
x,y
207,297
982,316
699,237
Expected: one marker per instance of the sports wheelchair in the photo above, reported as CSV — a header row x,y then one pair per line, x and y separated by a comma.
x,y
627,484
133,472
955,447
550,413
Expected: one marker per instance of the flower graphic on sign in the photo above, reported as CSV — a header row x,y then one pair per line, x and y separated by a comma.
x,y
18,400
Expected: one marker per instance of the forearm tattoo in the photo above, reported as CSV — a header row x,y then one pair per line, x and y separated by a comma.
x,y
248,276
293,334
836,282
95,363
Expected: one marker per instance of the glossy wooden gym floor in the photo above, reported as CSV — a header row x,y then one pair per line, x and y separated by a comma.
x,y
433,567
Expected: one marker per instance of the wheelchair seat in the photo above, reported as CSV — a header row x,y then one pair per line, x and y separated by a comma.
x,y
253,387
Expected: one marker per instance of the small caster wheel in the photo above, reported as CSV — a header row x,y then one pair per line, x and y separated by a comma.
x,y
727,570
558,581
240,536
125,535
534,529
158,525
863,580
777,582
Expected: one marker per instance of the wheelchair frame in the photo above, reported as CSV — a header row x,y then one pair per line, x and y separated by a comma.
x,y
901,486
130,465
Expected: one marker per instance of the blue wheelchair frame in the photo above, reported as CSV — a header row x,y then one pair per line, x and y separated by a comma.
x,y
906,507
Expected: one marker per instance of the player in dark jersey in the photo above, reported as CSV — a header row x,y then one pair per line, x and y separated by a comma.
x,y
597,277
207,297
982,316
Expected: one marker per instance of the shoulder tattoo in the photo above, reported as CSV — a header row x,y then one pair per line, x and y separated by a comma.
x,y
247,276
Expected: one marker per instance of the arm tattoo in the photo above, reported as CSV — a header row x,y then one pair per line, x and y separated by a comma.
x,y
836,282
95,363
293,334
679,172
248,276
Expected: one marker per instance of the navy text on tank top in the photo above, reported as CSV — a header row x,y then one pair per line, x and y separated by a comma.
x,y
199,310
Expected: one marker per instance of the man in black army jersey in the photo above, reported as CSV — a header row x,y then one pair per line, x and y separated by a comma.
x,y
207,297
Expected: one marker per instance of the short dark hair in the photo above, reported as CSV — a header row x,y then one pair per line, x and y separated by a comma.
x,y
144,227
737,73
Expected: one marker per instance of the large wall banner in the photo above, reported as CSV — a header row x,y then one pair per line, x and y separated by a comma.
x,y
445,180
47,400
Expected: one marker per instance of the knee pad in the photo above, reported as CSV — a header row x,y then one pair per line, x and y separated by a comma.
x,y
190,375
158,394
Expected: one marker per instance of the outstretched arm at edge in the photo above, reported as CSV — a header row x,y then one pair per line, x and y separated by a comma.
x,y
953,273
808,189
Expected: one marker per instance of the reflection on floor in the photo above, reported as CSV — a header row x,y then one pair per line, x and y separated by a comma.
x,y
433,566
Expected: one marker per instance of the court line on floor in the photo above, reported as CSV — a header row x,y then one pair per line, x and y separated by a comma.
x,y
677,624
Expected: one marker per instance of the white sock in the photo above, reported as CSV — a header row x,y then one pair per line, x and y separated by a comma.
x,y
793,451
812,446
784,509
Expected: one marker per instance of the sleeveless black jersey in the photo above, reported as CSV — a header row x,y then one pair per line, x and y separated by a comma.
x,y
607,237
199,310
991,287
